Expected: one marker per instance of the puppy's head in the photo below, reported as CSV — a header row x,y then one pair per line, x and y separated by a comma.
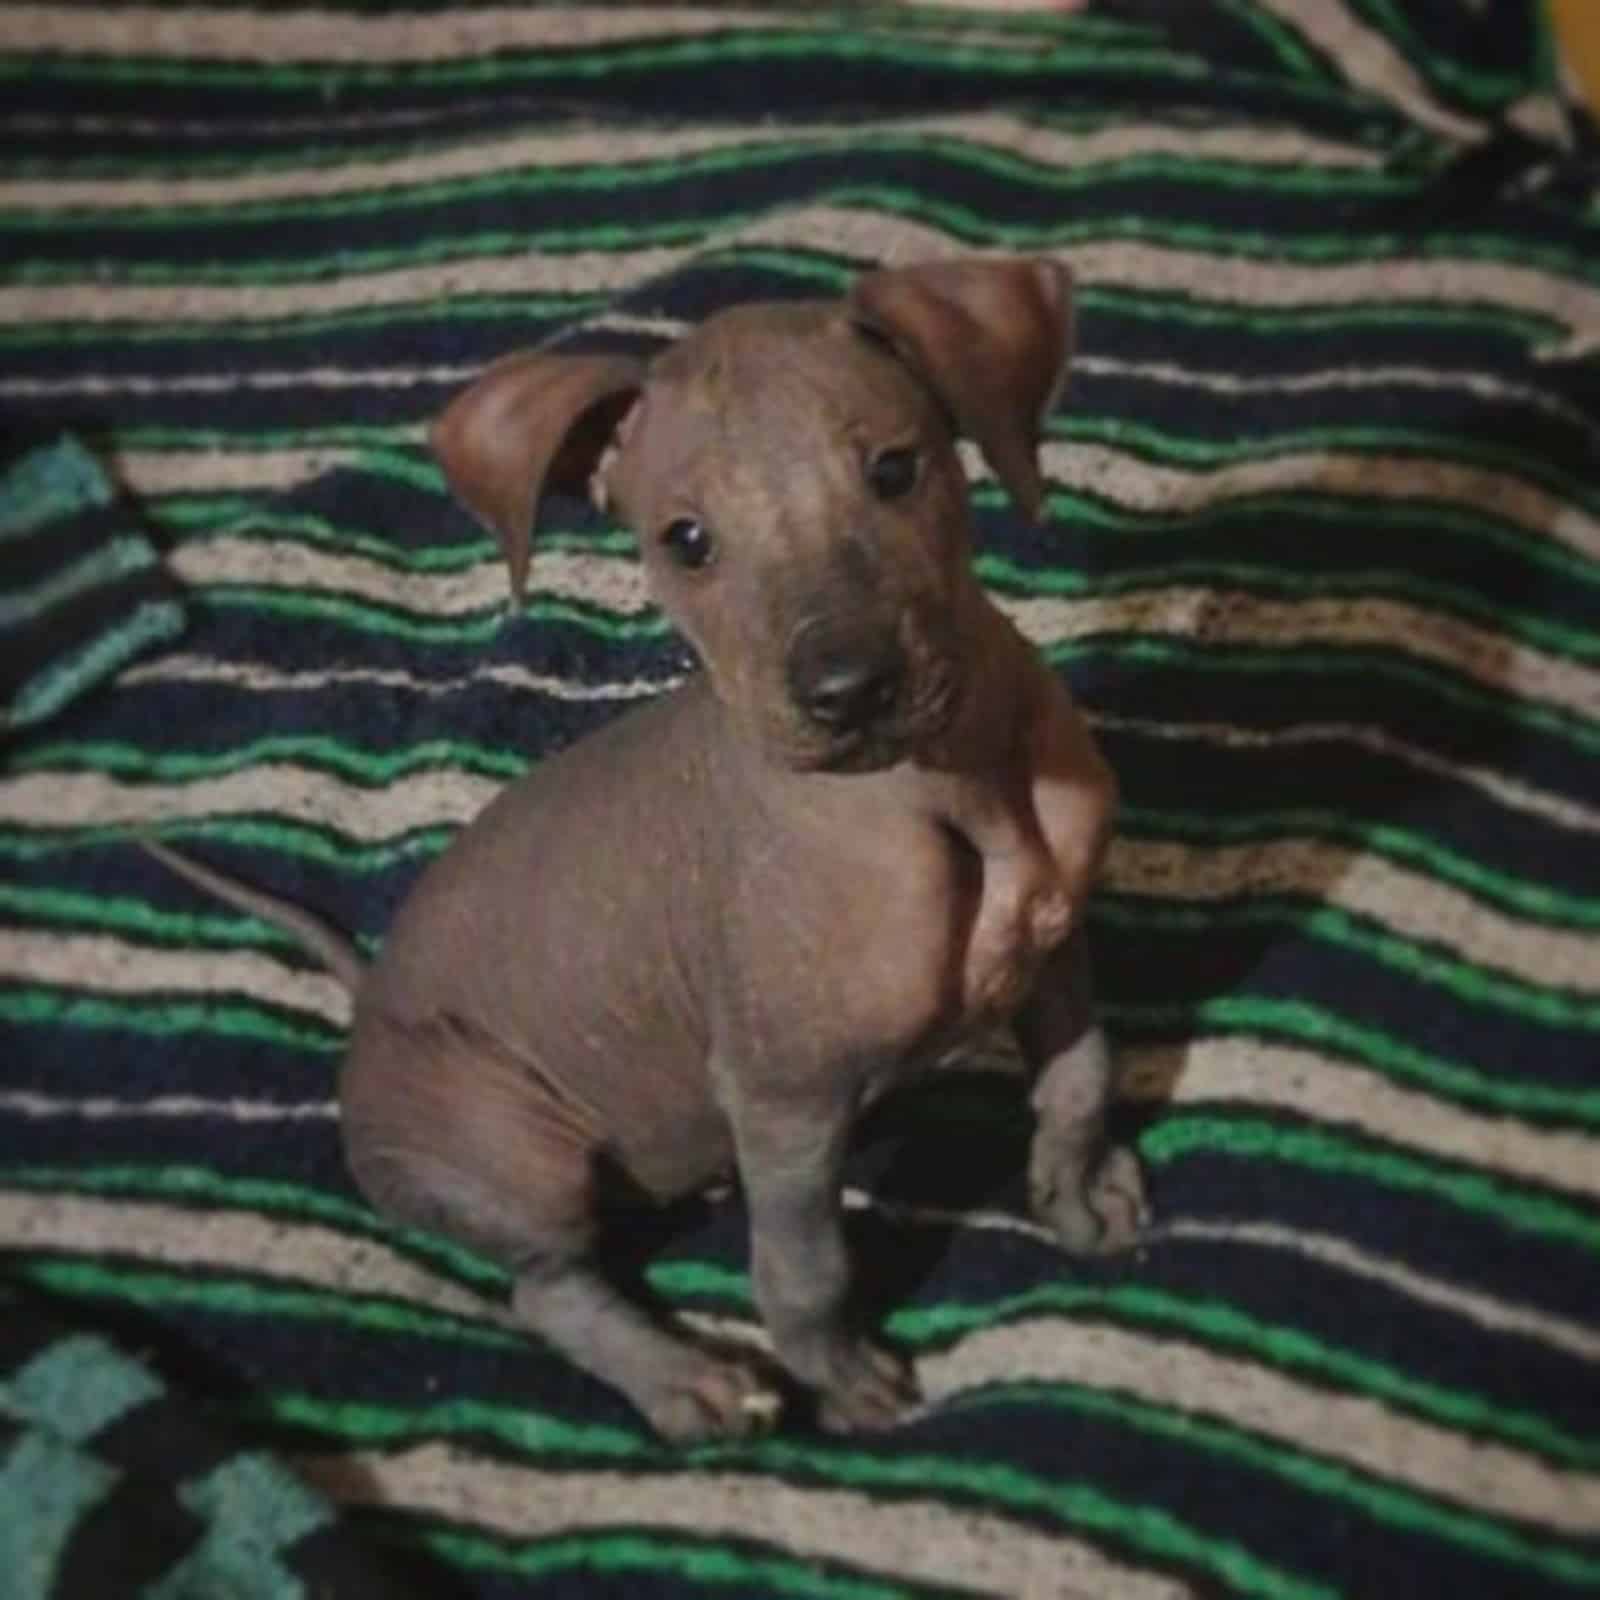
x,y
791,474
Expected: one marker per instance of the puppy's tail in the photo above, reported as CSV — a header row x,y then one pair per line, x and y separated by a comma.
x,y
332,949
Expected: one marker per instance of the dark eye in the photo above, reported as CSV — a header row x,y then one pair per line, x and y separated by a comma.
x,y
892,473
688,543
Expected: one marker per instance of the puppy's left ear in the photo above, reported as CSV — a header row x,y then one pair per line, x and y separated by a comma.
x,y
992,337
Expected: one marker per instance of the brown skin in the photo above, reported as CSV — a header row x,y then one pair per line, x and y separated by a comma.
x,y
698,942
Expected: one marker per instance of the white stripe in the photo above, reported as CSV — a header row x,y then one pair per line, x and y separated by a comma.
x,y
1307,1419
1412,904
264,678
618,149
1327,1091
616,583
1124,264
228,33
1138,484
913,1538
67,800
102,964
1500,1316
1210,617
1168,1372
1482,385
1364,56
1200,614
151,473
223,1238
164,1108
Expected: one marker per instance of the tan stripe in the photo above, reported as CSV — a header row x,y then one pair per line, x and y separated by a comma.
x,y
67,800
1570,1338
1503,789
1141,485
297,1252
1410,903
1370,62
227,33
162,472
1078,1350
1204,617
865,235
101,964
1207,616
322,377
1323,1088
1310,1419
618,148
613,582
263,678
911,1538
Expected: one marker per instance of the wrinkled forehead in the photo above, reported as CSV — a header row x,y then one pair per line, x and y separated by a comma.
x,y
756,390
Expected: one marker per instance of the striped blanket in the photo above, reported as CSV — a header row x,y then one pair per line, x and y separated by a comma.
x,y
1321,558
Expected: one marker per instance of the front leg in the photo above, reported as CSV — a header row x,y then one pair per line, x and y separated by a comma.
x,y
790,1152
1088,1192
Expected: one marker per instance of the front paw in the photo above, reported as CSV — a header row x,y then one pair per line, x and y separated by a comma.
x,y
1098,1213
867,1388
1008,947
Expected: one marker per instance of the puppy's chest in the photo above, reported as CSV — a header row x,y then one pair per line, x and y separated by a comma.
x,y
860,946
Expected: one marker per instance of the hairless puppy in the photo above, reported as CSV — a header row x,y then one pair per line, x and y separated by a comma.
x,y
700,940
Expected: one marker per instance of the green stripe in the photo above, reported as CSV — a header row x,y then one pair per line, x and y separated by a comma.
x,y
1371,666
1427,445
109,562
733,50
1227,172
1248,1139
476,627
1209,1322
1428,964
55,908
197,1289
1089,512
1285,45
323,753
537,310
715,1562
1395,315
62,679
1237,173
1299,1022
1348,247
185,1185
1486,91
1302,1022
164,1018
312,841
1147,1529
1521,897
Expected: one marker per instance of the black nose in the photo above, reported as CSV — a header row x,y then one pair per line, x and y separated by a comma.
x,y
845,685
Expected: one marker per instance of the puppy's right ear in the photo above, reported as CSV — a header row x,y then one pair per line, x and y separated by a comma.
x,y
532,423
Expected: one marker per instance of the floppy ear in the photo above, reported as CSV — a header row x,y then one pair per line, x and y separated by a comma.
x,y
992,337
532,423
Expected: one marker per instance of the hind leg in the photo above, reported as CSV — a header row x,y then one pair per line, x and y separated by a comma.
x,y
446,1131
